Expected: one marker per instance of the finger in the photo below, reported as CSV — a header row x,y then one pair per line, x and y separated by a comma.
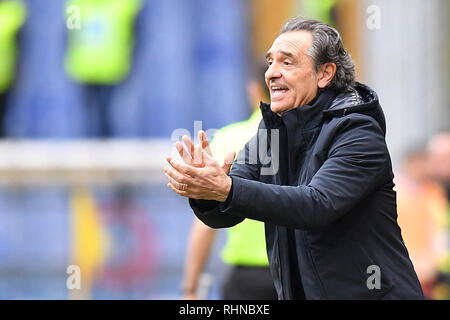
x,y
204,141
183,153
229,158
208,158
183,168
181,193
175,183
198,155
228,161
177,176
189,144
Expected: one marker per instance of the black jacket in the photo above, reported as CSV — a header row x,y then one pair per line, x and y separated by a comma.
x,y
329,207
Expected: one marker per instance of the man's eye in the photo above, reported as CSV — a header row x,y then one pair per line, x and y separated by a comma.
x,y
269,62
287,63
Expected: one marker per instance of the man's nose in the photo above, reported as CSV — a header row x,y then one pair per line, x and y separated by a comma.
x,y
273,72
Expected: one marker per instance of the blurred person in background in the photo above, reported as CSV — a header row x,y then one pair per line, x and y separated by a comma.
x,y
99,53
421,205
439,160
245,250
132,258
324,10
438,167
12,17
327,198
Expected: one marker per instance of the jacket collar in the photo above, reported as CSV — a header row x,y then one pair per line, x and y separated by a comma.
x,y
305,118
358,99
329,104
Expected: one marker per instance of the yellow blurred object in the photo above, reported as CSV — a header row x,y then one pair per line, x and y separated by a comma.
x,y
12,16
100,51
268,16
319,10
89,239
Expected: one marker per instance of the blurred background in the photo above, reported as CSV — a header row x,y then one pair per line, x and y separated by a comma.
x,y
94,93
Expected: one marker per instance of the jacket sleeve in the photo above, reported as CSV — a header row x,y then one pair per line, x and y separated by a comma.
x,y
210,212
356,163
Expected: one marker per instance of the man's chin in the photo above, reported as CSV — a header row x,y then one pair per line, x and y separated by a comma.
x,y
278,108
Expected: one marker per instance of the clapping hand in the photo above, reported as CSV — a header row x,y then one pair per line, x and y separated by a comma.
x,y
199,176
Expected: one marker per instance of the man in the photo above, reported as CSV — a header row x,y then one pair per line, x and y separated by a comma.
x,y
248,277
438,168
329,207
12,16
99,55
421,206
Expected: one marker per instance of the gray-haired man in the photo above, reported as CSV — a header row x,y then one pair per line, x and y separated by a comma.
x,y
329,209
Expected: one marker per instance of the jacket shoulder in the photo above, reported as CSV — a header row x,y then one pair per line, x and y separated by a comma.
x,y
352,121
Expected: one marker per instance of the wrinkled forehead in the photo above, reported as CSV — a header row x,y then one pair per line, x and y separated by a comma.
x,y
294,42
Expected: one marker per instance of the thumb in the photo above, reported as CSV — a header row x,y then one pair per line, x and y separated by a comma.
x,y
228,161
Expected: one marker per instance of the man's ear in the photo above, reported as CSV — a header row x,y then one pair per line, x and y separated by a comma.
x,y
326,74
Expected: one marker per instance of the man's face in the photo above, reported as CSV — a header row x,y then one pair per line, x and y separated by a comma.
x,y
291,77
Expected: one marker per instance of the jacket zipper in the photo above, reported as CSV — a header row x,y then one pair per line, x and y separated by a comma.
x,y
279,264
316,272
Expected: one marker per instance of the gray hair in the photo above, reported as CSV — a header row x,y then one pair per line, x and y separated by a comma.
x,y
326,47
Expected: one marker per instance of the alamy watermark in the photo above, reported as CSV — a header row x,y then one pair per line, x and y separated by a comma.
x,y
73,20
374,280
373,21
73,281
263,149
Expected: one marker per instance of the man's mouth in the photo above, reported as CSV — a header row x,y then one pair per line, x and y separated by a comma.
x,y
277,92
